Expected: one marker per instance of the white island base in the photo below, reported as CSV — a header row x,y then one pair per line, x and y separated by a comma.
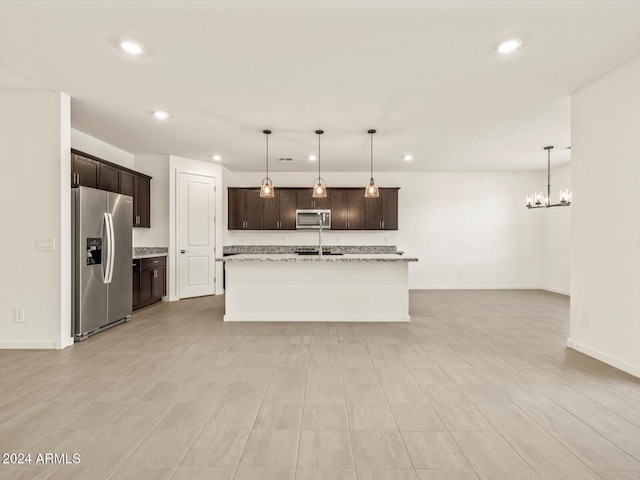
x,y
316,290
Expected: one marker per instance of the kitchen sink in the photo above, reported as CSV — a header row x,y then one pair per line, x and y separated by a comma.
x,y
316,253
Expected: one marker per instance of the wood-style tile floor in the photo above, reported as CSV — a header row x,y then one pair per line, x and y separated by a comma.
x,y
478,386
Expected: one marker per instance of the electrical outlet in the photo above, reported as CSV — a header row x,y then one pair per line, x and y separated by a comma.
x,y
584,321
460,275
46,244
18,315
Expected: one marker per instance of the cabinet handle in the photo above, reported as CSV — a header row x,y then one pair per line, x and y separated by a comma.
x,y
155,274
383,224
155,261
137,220
77,179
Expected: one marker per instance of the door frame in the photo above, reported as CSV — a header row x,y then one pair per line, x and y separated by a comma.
x,y
177,229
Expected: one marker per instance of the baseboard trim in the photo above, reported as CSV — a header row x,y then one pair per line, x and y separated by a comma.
x,y
30,346
475,287
66,342
316,318
555,290
605,358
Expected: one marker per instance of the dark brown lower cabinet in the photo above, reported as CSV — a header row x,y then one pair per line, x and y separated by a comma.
x,y
149,281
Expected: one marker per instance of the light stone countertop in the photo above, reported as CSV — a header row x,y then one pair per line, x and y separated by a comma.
x,y
315,258
149,252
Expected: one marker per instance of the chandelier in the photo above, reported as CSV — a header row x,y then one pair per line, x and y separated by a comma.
x,y
540,200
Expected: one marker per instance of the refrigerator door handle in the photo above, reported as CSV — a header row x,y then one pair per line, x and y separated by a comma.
x,y
105,259
112,247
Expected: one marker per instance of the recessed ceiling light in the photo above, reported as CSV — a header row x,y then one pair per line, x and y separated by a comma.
x,y
131,47
313,158
161,114
408,158
508,46
217,158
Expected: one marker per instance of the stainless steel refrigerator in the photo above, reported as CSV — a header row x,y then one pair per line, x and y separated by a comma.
x,y
102,256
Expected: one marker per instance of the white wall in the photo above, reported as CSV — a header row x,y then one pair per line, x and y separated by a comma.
x,y
35,139
469,224
156,166
605,237
185,165
88,144
556,227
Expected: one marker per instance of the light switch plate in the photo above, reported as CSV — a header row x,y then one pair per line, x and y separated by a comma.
x,y
46,244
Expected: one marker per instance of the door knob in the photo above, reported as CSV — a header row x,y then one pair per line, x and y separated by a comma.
x,y
183,251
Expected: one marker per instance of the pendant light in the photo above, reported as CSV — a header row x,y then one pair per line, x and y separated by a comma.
x,y
540,200
371,190
266,188
319,186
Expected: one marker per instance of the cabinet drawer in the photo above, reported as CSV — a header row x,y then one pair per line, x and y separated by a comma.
x,y
153,262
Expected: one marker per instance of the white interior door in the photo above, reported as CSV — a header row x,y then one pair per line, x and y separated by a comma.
x,y
196,235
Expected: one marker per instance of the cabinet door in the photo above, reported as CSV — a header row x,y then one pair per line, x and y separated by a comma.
x,y
146,285
158,282
254,209
304,198
288,202
109,178
271,212
142,204
356,208
373,213
389,197
84,171
323,203
237,206
136,285
128,184
339,209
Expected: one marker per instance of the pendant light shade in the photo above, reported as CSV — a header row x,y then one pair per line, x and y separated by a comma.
x,y
266,188
371,190
540,200
319,186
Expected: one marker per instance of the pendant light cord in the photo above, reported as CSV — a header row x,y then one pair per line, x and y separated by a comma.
x,y
267,157
319,155
371,156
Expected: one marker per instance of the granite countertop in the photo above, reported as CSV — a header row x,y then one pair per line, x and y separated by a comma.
x,y
148,252
278,249
389,258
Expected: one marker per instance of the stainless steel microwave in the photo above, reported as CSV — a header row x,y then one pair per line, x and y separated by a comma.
x,y
310,219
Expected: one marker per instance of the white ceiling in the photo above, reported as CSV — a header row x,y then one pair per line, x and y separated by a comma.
x,y
425,74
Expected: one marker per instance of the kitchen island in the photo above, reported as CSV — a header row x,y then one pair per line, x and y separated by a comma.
x,y
328,288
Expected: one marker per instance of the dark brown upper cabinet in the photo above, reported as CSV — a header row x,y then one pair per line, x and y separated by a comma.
x,y
84,171
142,201
109,178
245,209
347,208
90,171
382,213
305,199
279,213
